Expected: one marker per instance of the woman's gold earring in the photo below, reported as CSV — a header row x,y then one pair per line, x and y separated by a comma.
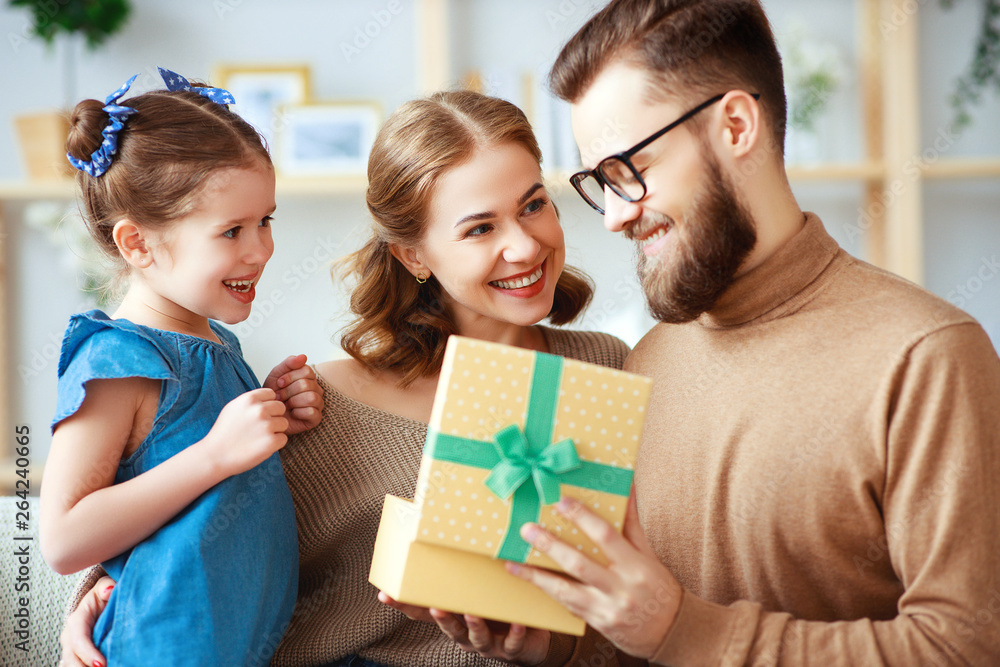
x,y
421,278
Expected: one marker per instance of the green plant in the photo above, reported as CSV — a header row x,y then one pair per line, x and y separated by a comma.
x,y
96,20
92,20
813,71
808,97
983,71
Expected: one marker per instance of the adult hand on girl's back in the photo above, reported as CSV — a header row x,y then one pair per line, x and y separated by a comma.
x,y
78,648
249,429
296,386
490,639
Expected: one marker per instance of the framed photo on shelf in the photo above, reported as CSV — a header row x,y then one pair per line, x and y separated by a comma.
x,y
261,90
326,139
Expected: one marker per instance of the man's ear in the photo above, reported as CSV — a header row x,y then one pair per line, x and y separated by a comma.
x,y
132,241
410,258
741,122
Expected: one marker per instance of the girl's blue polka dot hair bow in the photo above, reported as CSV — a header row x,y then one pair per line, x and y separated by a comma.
x,y
100,160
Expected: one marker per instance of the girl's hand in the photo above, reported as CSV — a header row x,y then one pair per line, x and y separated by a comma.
x,y
78,648
490,639
249,429
296,386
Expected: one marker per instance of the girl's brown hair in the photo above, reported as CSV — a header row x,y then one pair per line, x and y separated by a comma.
x,y
400,325
167,150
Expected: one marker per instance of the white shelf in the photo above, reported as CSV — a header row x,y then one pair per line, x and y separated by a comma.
x,y
861,171
13,191
972,168
32,190
956,168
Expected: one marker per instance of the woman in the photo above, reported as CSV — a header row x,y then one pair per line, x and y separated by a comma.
x,y
466,241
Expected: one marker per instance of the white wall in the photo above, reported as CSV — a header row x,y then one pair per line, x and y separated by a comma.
x,y
299,308
961,218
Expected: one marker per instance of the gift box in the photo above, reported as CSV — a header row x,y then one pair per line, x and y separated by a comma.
x,y
437,577
511,432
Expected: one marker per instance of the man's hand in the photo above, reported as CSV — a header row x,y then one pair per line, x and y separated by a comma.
x,y
633,601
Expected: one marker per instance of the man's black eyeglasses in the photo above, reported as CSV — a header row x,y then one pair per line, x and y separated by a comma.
x,y
617,171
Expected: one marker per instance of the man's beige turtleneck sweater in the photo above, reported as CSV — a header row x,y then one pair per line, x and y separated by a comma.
x,y
821,470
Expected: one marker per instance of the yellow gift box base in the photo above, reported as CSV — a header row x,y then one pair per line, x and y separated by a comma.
x,y
457,581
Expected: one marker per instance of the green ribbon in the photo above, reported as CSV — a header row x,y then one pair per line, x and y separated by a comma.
x,y
518,464
514,456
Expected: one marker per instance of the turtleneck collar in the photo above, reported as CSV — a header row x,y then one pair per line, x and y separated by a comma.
x,y
770,290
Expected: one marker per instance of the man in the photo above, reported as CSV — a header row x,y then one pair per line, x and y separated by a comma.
x,y
818,478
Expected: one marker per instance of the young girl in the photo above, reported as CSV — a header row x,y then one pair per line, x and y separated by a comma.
x,y
164,463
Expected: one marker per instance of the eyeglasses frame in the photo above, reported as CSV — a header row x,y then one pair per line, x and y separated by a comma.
x,y
625,158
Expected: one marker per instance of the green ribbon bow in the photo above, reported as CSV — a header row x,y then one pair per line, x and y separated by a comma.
x,y
514,456
517,464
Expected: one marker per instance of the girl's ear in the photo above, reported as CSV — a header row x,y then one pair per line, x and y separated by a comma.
x,y
131,240
410,258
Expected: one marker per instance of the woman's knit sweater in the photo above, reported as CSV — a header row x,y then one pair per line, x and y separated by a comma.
x,y
339,473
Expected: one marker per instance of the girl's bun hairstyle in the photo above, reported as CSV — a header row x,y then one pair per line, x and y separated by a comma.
x,y
86,125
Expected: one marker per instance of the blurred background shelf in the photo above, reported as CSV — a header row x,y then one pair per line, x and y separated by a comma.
x,y
963,168
864,171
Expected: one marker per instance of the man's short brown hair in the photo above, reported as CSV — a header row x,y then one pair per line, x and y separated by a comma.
x,y
691,49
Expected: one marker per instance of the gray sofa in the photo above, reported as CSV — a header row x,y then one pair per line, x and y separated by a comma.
x,y
27,578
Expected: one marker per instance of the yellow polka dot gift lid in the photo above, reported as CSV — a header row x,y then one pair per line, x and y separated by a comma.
x,y
511,432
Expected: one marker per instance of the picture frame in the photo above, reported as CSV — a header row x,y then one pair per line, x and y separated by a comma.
x,y
261,91
326,138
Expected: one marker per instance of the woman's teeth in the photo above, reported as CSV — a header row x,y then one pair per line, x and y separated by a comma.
x,y
654,237
520,282
242,286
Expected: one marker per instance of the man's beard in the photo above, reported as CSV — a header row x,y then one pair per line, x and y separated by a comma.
x,y
714,238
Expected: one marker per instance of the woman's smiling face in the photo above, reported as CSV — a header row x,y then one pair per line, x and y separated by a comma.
x,y
493,239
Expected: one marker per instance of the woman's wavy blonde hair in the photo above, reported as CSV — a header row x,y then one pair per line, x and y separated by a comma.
x,y
400,325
